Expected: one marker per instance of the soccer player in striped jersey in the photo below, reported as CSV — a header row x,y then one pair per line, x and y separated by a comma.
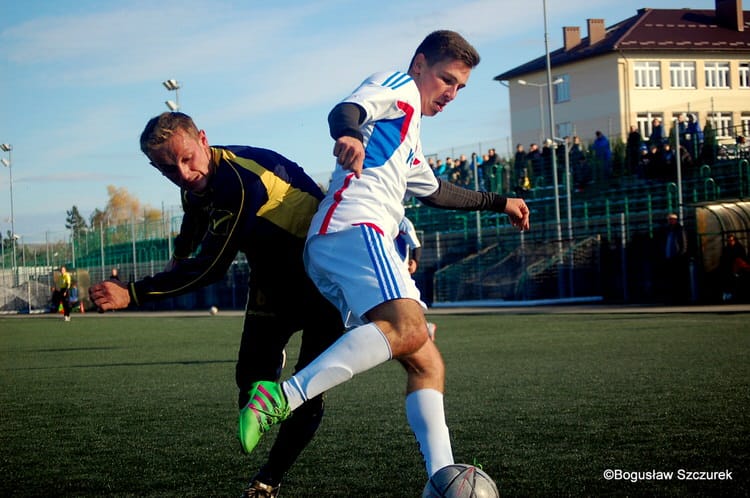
x,y
350,252
238,198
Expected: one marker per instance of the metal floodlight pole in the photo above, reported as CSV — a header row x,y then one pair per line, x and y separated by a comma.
x,y
566,144
568,198
679,168
9,164
551,111
173,86
28,280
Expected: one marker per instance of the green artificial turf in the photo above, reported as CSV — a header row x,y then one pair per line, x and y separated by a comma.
x,y
125,405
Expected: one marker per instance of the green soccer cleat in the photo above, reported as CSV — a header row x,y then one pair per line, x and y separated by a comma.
x,y
267,406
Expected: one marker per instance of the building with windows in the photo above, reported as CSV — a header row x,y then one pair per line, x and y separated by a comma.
x,y
660,63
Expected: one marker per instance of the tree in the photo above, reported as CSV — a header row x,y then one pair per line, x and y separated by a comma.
x,y
8,242
75,222
122,207
98,219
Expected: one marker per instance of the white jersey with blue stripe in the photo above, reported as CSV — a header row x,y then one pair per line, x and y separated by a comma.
x,y
394,165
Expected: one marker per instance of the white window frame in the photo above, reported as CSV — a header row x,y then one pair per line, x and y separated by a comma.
x,y
722,124
647,74
745,124
643,121
682,74
744,74
717,74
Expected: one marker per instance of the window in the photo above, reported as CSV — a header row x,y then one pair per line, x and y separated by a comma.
x,y
644,120
722,123
717,74
682,74
562,89
565,129
744,74
647,74
745,124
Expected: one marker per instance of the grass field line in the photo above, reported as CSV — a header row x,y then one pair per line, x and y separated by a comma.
x,y
462,310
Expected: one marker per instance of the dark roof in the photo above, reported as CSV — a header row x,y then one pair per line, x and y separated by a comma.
x,y
650,29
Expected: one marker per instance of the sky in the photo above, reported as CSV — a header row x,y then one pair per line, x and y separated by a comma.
x,y
80,79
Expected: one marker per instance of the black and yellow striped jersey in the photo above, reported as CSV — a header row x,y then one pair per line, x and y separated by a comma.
x,y
257,202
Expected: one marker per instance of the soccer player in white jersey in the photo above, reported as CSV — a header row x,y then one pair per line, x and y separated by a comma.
x,y
350,253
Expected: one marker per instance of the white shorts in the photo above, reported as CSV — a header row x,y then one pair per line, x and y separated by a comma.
x,y
357,270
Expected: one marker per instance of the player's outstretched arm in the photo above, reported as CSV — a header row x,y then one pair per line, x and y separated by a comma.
x,y
109,295
449,196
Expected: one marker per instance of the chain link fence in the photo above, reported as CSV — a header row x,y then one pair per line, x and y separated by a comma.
x,y
606,250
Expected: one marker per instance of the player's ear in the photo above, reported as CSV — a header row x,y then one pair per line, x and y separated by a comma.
x,y
202,138
419,64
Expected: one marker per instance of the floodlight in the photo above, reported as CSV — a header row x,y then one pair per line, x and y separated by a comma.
x,y
171,84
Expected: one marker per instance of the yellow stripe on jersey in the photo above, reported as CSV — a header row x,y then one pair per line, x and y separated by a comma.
x,y
297,208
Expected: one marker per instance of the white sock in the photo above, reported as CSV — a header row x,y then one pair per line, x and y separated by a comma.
x,y
356,351
426,416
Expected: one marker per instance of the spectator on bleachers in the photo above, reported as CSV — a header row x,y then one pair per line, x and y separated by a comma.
x,y
682,127
693,136
547,151
687,163
449,163
655,169
466,175
643,169
668,163
519,165
657,134
534,167
633,150
441,171
603,154
578,165
490,169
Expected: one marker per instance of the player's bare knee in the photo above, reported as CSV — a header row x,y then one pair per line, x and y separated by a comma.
x,y
425,362
412,338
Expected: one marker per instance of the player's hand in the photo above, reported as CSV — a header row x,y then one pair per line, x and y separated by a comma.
x,y
170,264
518,212
413,266
350,154
110,295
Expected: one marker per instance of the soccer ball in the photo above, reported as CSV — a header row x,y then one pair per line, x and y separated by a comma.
x,y
460,481
213,310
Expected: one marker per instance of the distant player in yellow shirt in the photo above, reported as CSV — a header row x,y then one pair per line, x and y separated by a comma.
x,y
61,293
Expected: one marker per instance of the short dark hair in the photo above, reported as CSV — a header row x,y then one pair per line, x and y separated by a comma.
x,y
160,129
445,44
